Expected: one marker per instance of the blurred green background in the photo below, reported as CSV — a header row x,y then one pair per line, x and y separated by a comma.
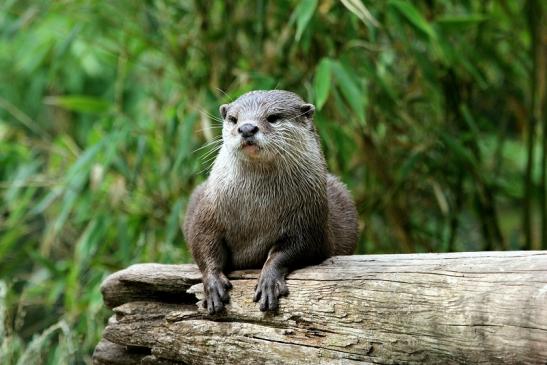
x,y
432,112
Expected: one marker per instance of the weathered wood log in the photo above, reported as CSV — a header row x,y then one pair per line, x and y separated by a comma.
x,y
108,353
486,307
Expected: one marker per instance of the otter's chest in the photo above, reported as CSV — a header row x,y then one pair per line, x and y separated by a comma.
x,y
254,216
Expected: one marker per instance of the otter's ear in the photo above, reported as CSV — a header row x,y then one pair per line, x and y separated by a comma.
x,y
307,110
223,110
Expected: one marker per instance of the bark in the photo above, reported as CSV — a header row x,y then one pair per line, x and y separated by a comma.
x,y
485,307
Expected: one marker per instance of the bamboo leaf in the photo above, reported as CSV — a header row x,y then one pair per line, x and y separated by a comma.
x,y
357,8
41,344
79,103
348,86
459,21
322,82
413,15
303,13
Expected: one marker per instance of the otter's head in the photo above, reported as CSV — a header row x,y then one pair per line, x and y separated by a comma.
x,y
261,125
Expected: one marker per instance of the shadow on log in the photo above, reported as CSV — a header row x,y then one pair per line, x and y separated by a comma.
x,y
484,307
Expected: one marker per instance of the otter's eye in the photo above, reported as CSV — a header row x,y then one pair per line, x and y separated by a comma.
x,y
274,118
232,119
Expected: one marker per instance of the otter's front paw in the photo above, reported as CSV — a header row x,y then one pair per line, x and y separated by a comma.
x,y
216,292
270,287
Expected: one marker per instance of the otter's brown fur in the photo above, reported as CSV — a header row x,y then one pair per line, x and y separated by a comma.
x,y
269,201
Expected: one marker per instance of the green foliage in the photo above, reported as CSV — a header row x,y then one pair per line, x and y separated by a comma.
x,y
303,14
322,82
105,109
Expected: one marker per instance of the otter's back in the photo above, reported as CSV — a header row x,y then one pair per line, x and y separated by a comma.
x,y
342,217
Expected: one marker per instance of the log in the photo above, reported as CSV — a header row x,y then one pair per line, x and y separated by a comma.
x,y
483,307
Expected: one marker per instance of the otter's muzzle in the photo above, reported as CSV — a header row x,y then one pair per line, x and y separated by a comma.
x,y
247,130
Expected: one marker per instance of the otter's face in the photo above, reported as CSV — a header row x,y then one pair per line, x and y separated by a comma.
x,y
262,125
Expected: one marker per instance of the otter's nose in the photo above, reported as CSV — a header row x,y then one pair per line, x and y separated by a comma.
x,y
247,130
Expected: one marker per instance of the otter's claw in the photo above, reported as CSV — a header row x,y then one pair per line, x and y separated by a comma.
x,y
270,287
216,292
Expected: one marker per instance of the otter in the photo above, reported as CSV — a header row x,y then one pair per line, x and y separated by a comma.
x,y
269,201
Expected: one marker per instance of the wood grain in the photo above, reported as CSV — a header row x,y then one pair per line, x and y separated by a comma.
x,y
486,307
